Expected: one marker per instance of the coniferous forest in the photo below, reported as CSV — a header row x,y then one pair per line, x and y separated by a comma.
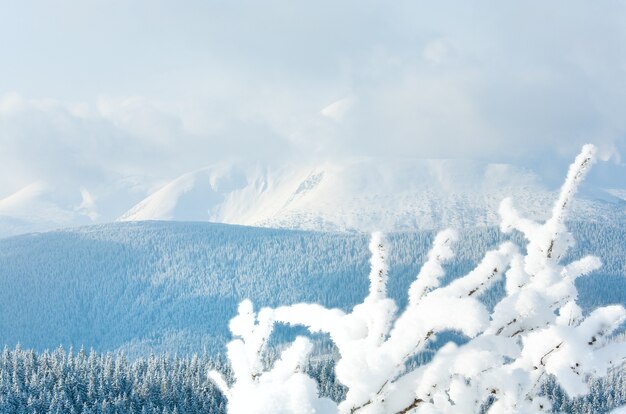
x,y
61,381
172,287
119,377
169,261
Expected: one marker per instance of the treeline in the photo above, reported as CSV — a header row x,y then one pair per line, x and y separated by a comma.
x,y
61,382
605,394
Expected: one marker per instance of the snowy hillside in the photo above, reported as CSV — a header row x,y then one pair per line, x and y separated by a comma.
x,y
167,286
35,207
362,195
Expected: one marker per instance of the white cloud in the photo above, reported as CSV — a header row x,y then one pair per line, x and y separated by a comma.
x,y
119,103
338,109
436,51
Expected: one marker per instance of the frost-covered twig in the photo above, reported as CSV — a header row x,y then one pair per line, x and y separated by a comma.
x,y
374,344
283,388
535,330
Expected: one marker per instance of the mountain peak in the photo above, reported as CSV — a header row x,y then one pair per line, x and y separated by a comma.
x,y
359,195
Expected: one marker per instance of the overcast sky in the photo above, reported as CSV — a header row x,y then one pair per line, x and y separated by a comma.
x,y
92,91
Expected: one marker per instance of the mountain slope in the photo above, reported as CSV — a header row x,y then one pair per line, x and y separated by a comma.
x,y
34,207
355,195
167,286
363,195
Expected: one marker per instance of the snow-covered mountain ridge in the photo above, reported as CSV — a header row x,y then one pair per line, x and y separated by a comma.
x,y
363,195
350,195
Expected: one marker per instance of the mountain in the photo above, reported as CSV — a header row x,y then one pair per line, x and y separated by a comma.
x,y
36,207
172,286
363,195
348,195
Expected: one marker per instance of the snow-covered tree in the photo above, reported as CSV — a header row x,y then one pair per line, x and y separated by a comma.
x,y
535,332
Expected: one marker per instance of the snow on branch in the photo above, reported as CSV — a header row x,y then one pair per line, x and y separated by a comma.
x,y
283,388
379,268
535,331
432,271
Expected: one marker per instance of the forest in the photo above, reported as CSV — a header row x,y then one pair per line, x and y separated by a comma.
x,y
451,341
172,287
86,382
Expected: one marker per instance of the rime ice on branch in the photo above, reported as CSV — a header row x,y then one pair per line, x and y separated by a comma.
x,y
282,389
536,330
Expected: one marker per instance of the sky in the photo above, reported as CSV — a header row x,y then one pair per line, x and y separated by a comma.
x,y
97,93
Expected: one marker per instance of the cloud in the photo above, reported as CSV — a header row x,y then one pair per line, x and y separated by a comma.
x,y
338,109
436,51
94,156
117,101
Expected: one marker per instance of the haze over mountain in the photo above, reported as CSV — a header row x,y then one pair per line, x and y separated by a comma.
x,y
362,194
118,105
